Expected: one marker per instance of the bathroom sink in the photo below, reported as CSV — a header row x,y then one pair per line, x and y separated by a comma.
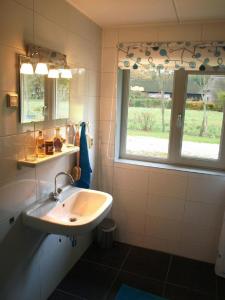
x,y
78,211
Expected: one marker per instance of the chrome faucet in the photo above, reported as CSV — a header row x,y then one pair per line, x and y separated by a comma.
x,y
55,195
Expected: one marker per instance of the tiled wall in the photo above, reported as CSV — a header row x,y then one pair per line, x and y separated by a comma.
x,y
31,264
177,212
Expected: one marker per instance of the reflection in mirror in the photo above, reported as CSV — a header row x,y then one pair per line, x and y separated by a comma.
x,y
44,85
32,98
62,98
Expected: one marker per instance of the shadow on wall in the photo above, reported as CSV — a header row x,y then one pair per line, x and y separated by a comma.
x,y
19,255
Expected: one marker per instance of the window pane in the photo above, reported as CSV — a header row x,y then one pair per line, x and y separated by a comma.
x,y
203,116
33,95
149,113
62,98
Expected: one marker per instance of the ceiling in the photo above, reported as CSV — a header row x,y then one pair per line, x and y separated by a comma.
x,y
126,12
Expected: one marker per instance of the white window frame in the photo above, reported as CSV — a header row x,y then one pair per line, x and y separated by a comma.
x,y
176,132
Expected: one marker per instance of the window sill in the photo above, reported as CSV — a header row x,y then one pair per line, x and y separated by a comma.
x,y
169,167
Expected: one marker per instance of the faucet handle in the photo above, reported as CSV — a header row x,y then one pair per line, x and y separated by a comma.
x,y
54,196
59,190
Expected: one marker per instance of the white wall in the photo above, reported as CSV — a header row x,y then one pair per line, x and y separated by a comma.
x,y
173,211
32,264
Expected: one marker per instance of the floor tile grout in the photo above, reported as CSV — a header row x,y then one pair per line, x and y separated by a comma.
x,y
125,258
122,259
99,264
118,273
167,274
70,294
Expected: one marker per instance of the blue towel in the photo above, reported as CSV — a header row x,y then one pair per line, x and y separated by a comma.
x,y
129,293
85,166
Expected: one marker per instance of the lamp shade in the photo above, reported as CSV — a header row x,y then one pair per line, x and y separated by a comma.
x,y
53,73
26,68
41,69
66,73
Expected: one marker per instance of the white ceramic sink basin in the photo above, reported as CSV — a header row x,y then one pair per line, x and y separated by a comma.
x,y
78,212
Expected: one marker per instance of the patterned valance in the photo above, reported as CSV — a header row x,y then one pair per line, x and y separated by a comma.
x,y
172,55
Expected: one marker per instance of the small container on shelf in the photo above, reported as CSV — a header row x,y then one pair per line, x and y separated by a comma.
x,y
40,145
49,147
58,140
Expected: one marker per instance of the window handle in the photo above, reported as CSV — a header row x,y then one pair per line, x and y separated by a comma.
x,y
179,120
44,108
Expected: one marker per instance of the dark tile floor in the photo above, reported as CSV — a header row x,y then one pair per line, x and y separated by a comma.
x,y
99,274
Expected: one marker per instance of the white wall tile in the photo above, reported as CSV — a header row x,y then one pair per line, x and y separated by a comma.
x,y
109,37
164,245
76,49
15,24
106,178
79,84
130,238
138,34
107,132
165,207
200,234
109,59
108,83
163,228
168,183
107,109
202,214
198,251
60,14
129,220
93,83
13,148
17,194
214,31
130,199
45,37
6,225
106,156
133,180
206,188
8,63
187,32
83,26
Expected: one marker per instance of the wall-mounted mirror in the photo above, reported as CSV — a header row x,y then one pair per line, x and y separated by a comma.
x,y
46,95
61,107
33,98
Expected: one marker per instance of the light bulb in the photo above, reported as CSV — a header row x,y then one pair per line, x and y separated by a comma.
x,y
26,68
41,69
53,73
66,73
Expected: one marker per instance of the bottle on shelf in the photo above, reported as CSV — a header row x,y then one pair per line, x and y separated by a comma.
x,y
49,147
70,135
58,140
40,145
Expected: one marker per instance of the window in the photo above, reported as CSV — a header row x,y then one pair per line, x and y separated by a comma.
x,y
33,95
173,117
62,98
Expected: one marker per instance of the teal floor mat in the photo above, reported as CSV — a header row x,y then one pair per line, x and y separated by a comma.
x,y
129,293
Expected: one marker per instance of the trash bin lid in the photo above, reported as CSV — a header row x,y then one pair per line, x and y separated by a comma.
x,y
107,225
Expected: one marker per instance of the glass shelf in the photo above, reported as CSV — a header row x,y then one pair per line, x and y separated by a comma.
x,y
67,149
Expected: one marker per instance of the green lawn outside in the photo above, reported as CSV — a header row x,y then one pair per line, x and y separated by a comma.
x,y
139,116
